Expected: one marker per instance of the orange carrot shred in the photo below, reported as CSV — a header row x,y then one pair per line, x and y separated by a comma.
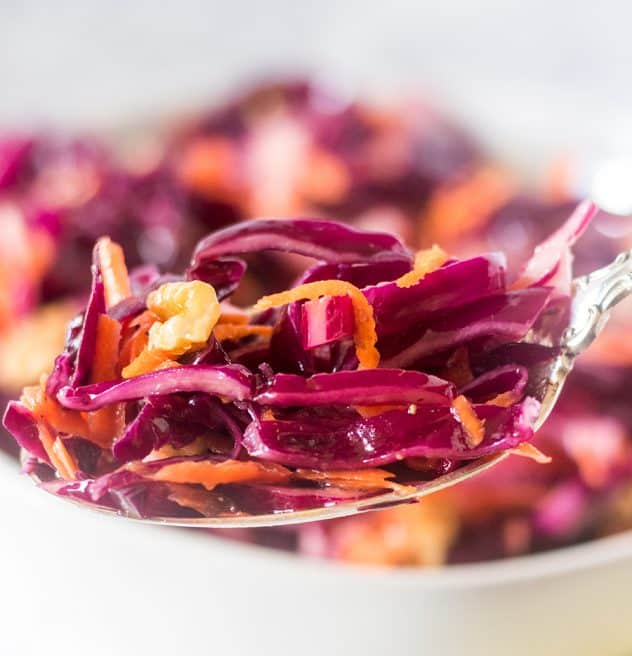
x,y
57,452
136,337
233,317
527,450
147,361
114,271
227,331
105,362
474,427
370,478
48,409
210,166
365,335
458,208
426,261
210,474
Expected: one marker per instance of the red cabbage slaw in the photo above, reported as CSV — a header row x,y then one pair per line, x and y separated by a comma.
x,y
146,414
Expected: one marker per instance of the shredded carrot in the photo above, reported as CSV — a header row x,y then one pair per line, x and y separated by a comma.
x,y
135,337
210,474
504,400
48,409
210,166
460,208
57,452
426,261
365,335
106,424
527,450
114,271
237,331
355,479
325,178
147,361
198,447
474,427
233,317
106,355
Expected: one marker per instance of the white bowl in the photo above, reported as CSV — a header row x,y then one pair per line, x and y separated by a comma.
x,y
76,583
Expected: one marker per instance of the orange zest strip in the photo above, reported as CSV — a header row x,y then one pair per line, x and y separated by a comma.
x,y
365,335
527,450
372,478
210,474
57,452
226,331
111,261
474,427
426,261
147,361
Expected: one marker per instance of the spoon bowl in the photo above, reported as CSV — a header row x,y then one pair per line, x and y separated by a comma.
x,y
592,297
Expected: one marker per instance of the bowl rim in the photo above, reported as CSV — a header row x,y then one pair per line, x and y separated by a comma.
x,y
567,560
563,561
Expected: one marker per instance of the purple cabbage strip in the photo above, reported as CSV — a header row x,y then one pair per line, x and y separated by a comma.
x,y
361,387
319,442
14,153
232,382
326,320
362,274
397,309
175,420
21,423
323,240
508,379
224,274
551,255
73,366
122,490
287,353
259,499
505,317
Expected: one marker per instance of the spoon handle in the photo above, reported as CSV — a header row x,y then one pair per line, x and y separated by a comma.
x,y
594,295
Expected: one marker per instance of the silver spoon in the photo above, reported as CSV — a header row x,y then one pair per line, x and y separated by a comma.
x,y
593,296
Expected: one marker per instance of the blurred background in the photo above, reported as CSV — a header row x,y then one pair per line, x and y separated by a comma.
x,y
538,92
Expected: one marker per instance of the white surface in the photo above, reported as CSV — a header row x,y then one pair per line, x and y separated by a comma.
x,y
543,75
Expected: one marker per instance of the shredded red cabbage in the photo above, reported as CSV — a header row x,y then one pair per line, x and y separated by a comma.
x,y
273,396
